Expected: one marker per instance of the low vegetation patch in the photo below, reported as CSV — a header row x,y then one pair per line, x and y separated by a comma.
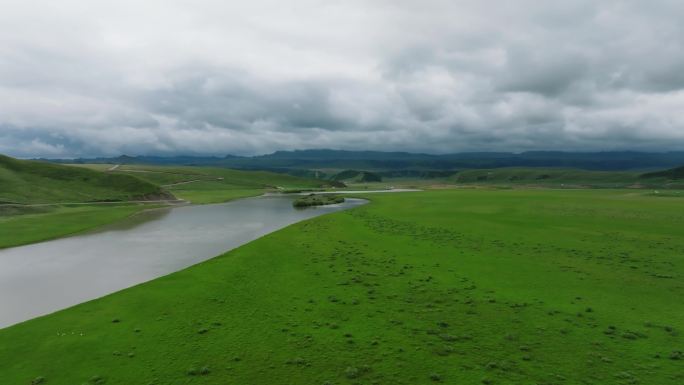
x,y
317,200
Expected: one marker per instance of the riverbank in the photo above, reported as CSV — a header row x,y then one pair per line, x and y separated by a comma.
x,y
41,201
26,225
44,277
459,286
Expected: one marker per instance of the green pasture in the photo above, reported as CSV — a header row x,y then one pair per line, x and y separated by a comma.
x,y
451,286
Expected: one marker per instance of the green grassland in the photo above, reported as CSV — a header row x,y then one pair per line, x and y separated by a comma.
x,y
521,177
563,177
453,286
174,174
93,166
215,195
355,176
23,225
517,177
213,185
31,182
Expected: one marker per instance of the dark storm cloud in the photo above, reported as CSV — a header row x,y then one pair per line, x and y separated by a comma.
x,y
166,77
235,100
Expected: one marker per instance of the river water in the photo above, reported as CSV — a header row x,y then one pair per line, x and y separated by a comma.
x,y
44,277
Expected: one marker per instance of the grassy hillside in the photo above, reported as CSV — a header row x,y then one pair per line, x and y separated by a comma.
x,y
356,176
671,174
164,175
24,182
210,184
548,176
454,287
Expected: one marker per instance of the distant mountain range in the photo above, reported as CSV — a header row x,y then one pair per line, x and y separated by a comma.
x,y
301,161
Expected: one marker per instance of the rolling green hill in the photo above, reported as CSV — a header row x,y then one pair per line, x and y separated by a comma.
x,y
31,182
356,176
165,175
559,177
671,174
214,184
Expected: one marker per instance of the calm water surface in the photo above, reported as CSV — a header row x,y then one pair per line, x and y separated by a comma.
x,y
44,277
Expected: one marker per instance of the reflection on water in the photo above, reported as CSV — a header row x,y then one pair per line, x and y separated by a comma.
x,y
44,277
134,220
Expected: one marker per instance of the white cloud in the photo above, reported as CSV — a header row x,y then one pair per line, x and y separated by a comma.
x,y
81,78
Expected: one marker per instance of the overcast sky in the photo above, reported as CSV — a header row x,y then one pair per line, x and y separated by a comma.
x,y
87,78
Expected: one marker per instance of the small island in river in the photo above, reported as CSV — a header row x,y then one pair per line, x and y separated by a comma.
x,y
317,200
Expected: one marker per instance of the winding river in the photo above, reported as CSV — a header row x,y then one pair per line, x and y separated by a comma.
x,y
44,277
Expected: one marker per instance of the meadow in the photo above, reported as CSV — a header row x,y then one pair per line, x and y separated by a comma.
x,y
452,286
214,185
567,178
33,182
